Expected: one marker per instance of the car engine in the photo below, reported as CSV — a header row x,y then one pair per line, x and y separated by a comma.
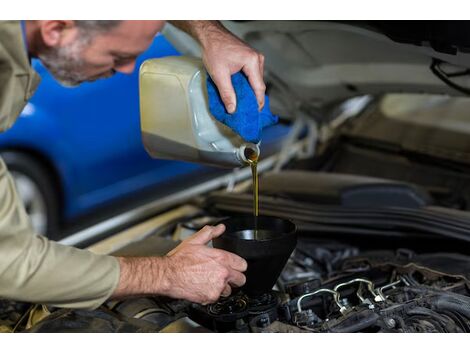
x,y
325,287
371,256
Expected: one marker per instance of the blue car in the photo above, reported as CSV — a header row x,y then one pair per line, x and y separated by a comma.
x,y
74,151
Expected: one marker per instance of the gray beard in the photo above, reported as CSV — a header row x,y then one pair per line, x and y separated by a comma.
x,y
65,64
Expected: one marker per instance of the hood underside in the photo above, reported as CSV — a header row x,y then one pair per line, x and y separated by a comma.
x,y
319,63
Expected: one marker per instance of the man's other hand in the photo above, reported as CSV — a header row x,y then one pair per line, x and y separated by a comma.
x,y
201,274
191,271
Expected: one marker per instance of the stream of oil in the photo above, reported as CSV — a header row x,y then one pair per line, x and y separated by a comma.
x,y
253,161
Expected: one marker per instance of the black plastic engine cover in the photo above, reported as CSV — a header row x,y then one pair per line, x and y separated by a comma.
x,y
342,189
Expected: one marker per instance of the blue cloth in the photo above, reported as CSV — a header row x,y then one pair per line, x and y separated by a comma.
x,y
246,121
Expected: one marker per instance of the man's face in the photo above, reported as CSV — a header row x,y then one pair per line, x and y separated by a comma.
x,y
87,57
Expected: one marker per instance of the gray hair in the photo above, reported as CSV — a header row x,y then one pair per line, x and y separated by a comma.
x,y
91,28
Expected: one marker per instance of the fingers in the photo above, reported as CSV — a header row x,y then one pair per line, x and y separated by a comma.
x,y
206,234
218,230
227,291
236,278
254,71
236,262
223,81
228,259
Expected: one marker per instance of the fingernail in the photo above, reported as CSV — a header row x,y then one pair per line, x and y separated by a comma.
x,y
231,108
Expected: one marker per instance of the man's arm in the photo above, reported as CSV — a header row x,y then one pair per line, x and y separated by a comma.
x,y
224,55
35,269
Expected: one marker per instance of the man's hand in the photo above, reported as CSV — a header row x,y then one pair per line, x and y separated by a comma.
x,y
191,271
202,274
224,55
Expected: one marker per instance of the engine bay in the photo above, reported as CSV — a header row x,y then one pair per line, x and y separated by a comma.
x,y
325,287
358,266
336,288
373,254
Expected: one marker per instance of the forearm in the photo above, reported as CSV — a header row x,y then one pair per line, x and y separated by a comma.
x,y
142,276
202,31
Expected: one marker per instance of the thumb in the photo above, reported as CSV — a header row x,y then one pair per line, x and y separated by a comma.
x,y
206,234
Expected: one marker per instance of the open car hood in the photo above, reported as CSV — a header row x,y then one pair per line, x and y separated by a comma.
x,y
319,63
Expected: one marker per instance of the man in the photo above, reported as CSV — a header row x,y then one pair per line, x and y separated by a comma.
x,y
34,269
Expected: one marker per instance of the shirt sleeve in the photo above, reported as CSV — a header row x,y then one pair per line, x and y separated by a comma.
x,y
35,269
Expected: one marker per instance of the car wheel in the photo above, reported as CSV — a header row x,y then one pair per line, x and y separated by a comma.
x,y
35,187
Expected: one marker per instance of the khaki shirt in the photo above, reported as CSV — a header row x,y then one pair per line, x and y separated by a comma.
x,y
32,268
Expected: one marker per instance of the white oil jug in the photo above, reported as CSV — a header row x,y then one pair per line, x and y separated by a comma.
x,y
175,119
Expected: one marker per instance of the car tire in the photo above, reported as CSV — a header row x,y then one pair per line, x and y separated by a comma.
x,y
36,188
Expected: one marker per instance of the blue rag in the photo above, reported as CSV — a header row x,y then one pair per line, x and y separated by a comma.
x,y
246,121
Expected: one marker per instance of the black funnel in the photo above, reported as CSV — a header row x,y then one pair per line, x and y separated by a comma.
x,y
266,255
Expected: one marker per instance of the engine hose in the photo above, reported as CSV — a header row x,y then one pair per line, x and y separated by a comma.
x,y
456,304
356,322
445,301
439,321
